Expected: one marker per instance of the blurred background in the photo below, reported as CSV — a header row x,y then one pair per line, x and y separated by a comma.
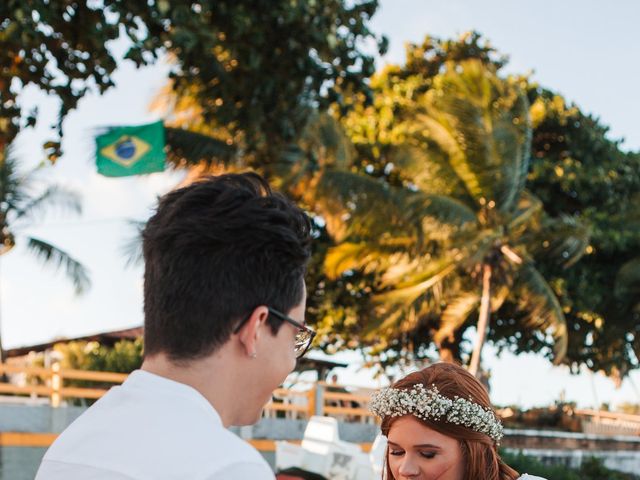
x,y
472,169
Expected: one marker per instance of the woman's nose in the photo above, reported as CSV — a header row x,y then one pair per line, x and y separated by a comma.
x,y
409,468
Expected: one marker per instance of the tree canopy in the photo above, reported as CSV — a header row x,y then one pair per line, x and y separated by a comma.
x,y
253,66
577,180
458,236
576,170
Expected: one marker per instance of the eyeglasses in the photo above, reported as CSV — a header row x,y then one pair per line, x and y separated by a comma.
x,y
304,336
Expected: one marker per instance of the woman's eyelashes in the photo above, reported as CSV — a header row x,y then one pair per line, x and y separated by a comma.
x,y
399,453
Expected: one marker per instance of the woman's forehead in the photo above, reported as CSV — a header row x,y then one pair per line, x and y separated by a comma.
x,y
409,429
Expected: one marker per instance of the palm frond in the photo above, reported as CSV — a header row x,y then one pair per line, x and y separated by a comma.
x,y
482,122
365,256
326,143
394,305
132,248
499,295
352,204
439,132
564,238
292,170
441,208
538,303
191,148
455,314
402,269
463,255
50,254
386,322
529,208
14,187
53,196
408,294
427,168
346,256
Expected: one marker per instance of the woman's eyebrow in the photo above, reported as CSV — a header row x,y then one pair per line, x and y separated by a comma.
x,y
422,445
427,445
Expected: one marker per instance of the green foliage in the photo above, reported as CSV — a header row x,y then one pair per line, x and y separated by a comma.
x,y
398,89
427,249
20,206
576,172
578,209
253,67
124,357
630,408
530,465
591,469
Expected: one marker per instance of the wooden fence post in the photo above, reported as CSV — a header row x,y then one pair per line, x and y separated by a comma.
x,y
56,385
311,401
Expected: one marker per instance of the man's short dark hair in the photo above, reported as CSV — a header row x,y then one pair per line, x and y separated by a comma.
x,y
214,251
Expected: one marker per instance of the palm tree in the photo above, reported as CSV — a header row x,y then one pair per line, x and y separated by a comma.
x,y
462,218
19,205
462,227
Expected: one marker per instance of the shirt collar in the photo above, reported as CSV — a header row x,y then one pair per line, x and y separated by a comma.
x,y
152,382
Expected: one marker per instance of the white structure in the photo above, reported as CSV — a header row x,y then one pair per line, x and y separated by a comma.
x,y
323,452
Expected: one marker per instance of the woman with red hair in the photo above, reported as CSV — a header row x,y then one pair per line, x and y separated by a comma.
x,y
440,425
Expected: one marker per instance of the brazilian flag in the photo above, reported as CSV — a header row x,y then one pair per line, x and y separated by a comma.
x,y
134,150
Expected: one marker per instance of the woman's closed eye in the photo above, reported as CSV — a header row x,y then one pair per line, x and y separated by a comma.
x,y
399,453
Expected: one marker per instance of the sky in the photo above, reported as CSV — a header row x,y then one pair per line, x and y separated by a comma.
x,y
586,50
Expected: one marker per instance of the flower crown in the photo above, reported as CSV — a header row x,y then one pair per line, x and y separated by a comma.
x,y
431,405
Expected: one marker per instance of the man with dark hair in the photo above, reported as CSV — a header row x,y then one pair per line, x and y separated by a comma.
x,y
224,301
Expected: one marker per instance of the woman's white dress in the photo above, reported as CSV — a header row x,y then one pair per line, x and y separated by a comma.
x,y
530,477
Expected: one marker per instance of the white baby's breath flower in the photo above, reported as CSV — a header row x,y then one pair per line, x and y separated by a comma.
x,y
429,404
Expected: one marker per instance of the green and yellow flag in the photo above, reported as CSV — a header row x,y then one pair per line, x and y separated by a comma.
x,y
135,150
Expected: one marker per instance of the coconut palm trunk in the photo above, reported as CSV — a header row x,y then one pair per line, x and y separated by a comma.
x,y
483,320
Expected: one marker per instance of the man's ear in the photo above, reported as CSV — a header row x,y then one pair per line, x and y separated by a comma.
x,y
251,331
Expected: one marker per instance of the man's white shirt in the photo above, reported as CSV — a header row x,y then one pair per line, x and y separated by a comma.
x,y
149,428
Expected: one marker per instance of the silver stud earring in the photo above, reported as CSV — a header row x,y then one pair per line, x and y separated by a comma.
x,y
254,355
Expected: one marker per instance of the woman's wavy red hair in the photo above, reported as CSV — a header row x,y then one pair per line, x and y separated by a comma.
x,y
479,451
